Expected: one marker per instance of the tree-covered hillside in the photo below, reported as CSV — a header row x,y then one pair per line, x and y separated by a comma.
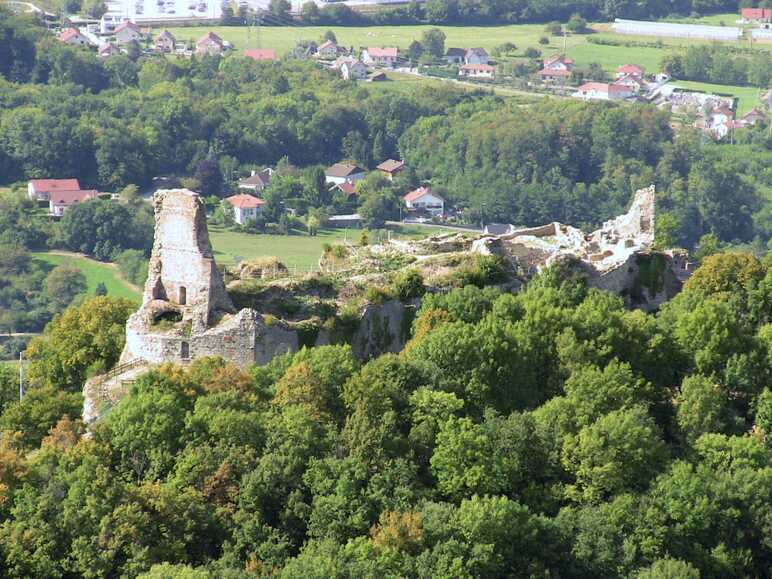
x,y
548,433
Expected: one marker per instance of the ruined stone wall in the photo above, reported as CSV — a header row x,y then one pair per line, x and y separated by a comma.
x,y
182,269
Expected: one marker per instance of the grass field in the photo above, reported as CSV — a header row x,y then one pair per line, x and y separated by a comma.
x,y
295,251
95,272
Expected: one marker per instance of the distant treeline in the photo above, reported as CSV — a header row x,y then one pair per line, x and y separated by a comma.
x,y
490,12
719,65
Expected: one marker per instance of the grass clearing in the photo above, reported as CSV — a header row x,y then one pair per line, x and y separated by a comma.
x,y
299,251
95,273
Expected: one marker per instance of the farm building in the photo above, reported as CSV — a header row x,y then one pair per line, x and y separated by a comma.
x,y
669,29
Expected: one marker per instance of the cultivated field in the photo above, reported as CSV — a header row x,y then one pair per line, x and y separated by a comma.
x,y
95,273
299,251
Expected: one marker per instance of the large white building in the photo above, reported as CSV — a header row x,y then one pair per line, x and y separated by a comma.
x,y
424,199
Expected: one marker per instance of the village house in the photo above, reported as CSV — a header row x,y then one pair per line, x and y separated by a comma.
x,y
75,37
753,116
479,71
164,42
352,69
557,68
245,207
455,55
60,201
347,190
344,173
630,69
476,56
108,49
327,49
634,82
756,14
389,168
261,54
380,56
603,91
210,43
126,32
424,199
257,181
41,189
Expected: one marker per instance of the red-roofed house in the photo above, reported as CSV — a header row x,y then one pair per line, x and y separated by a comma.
x,y
424,199
60,201
327,49
378,56
632,81
389,168
603,91
108,49
127,31
40,189
756,14
557,68
754,116
245,207
74,36
210,43
483,71
261,54
627,69
348,189
164,42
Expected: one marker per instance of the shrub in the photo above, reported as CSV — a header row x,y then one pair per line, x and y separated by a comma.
x,y
409,284
483,270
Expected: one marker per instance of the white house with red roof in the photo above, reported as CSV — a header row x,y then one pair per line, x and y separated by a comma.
x,y
380,56
61,201
108,49
245,207
126,32
327,49
603,91
557,68
424,199
479,71
628,69
75,37
210,43
634,82
261,54
41,189
164,42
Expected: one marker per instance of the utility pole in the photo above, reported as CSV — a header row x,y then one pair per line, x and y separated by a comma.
x,y
21,377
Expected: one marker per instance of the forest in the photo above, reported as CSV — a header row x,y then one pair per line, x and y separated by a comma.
x,y
549,433
123,122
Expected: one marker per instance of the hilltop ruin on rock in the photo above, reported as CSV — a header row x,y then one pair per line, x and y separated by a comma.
x,y
187,312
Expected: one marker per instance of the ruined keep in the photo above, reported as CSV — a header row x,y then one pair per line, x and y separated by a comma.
x,y
187,312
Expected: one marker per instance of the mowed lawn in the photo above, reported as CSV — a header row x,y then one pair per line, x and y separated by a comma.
x,y
95,273
300,250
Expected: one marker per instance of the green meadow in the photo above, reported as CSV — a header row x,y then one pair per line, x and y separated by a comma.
x,y
95,272
299,250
